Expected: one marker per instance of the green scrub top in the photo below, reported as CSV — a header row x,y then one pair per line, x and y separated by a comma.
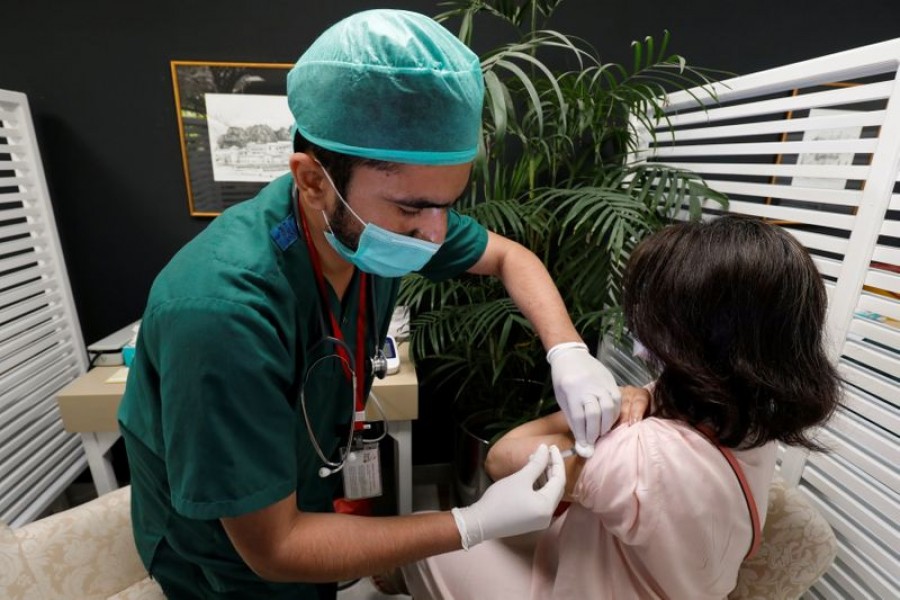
x,y
211,417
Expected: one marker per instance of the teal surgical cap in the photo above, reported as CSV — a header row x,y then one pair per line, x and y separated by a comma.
x,y
389,85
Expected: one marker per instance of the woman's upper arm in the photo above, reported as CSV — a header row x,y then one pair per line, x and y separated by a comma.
x,y
511,452
554,423
622,481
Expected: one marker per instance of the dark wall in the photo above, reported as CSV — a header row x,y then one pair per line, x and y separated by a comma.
x,y
97,77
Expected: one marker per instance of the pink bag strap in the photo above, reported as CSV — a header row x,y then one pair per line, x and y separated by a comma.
x,y
745,488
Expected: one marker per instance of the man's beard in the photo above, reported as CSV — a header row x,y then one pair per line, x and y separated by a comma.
x,y
343,226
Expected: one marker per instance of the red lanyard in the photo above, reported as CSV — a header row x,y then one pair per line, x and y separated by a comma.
x,y
359,418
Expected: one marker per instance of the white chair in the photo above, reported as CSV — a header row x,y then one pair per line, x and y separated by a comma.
x,y
86,552
797,547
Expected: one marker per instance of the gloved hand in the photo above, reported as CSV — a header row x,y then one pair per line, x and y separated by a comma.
x,y
512,506
586,392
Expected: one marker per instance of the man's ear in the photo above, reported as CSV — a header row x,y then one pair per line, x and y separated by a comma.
x,y
310,180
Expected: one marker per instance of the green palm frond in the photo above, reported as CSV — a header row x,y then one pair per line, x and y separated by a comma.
x,y
553,173
424,294
665,190
530,75
482,321
602,216
499,102
514,12
511,218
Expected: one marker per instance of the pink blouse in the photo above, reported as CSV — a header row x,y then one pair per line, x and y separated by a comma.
x,y
659,513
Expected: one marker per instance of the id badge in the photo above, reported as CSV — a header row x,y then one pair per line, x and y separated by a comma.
x,y
362,470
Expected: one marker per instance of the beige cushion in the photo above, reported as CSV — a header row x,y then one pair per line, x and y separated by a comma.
x,y
16,579
86,552
798,546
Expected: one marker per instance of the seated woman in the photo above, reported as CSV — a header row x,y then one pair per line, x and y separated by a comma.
x,y
731,313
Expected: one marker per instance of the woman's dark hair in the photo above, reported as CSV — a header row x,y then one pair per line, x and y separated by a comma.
x,y
339,166
733,312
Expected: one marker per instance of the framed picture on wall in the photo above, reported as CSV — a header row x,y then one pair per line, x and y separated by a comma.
x,y
234,125
853,132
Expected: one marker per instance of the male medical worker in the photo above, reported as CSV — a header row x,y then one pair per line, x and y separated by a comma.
x,y
242,408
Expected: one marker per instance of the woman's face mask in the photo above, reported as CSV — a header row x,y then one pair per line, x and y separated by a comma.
x,y
379,251
640,351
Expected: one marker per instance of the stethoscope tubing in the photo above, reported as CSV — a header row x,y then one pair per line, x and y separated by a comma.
x,y
336,467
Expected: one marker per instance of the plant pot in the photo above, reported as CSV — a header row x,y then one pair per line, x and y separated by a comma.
x,y
470,480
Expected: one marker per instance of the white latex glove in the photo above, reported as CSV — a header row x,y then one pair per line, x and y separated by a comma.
x,y
586,392
512,506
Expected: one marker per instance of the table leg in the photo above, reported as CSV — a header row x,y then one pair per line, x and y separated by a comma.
x,y
96,447
401,431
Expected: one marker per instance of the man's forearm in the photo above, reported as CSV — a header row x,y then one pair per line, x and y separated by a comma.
x,y
531,288
335,547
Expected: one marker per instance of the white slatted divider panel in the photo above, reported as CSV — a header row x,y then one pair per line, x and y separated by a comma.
x,y
41,348
860,481
815,146
862,512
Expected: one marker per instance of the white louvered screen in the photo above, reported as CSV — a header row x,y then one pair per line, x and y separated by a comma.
x,y
815,146
41,347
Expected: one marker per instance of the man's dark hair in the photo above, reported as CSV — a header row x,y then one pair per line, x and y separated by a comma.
x,y
339,166
733,312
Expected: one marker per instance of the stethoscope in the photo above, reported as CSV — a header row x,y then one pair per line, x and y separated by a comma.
x,y
377,365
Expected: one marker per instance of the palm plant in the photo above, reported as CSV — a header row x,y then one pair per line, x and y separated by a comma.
x,y
553,174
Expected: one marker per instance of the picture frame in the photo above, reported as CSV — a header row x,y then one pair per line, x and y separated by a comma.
x,y
813,158
835,159
234,127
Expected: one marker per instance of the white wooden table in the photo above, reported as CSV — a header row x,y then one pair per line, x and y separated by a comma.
x,y
89,404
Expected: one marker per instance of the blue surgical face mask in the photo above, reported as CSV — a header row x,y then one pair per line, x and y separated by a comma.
x,y
381,252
